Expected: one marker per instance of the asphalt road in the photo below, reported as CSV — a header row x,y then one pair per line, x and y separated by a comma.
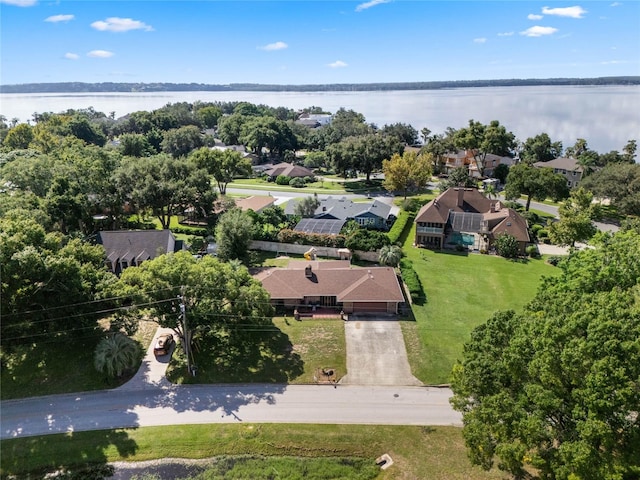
x,y
323,404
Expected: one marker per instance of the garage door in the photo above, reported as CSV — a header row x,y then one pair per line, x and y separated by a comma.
x,y
370,307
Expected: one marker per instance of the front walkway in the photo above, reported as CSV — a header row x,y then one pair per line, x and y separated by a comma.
x,y
376,354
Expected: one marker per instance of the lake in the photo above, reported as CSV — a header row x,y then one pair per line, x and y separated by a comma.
x,y
606,116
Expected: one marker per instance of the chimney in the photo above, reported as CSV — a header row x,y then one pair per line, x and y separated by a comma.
x,y
307,271
460,197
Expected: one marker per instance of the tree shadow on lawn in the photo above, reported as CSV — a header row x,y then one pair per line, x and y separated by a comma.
x,y
262,354
79,455
60,364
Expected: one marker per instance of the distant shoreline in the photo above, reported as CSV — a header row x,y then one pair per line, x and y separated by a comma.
x,y
114,87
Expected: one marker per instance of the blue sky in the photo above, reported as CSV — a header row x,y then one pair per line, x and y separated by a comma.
x,y
315,42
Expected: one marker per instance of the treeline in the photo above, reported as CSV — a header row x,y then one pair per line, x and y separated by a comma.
x,y
81,87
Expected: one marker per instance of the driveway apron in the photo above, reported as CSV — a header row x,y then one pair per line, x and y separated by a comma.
x,y
376,354
152,370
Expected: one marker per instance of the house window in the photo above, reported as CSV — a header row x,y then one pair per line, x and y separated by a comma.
x,y
569,184
574,173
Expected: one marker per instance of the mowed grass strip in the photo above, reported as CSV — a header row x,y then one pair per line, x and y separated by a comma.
x,y
462,291
436,453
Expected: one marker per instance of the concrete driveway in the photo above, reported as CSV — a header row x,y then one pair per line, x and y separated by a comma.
x,y
376,354
152,369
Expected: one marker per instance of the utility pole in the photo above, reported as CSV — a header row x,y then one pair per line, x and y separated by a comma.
x,y
187,334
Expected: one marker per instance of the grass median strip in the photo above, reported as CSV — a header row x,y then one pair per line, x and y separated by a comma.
x,y
418,452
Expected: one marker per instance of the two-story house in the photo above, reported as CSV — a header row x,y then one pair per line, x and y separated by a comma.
x,y
568,167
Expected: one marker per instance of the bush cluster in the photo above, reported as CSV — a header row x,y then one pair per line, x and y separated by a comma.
x,y
532,251
297,182
320,240
411,280
196,231
554,260
283,180
404,218
367,240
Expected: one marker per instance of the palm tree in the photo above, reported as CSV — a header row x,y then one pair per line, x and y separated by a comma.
x,y
115,355
390,255
490,190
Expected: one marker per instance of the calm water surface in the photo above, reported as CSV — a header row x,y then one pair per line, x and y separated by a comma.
x,y
607,117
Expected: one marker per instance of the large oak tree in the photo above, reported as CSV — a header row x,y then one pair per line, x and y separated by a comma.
x,y
555,388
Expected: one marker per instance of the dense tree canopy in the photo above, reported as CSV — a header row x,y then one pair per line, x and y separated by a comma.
x,y
619,184
555,389
577,215
223,165
48,281
233,235
484,139
408,172
165,186
540,149
218,296
535,183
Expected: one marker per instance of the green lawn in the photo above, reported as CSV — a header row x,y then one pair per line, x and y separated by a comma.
x,y
288,351
462,292
435,453
328,186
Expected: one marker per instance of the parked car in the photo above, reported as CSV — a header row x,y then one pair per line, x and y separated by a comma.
x,y
163,344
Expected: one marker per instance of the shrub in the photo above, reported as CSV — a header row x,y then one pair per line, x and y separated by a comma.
x,y
319,240
413,204
507,246
283,180
532,251
309,179
297,182
536,228
554,260
404,219
542,233
411,280
196,231
367,240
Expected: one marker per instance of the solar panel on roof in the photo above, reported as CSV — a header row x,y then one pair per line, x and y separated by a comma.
x,y
323,226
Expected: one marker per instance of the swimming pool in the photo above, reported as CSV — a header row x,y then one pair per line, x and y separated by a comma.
x,y
466,239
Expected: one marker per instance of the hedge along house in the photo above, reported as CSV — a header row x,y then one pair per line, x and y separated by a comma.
x,y
334,284
463,216
129,248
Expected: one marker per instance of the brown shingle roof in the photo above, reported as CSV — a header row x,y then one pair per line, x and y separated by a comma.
x,y
255,203
377,284
437,210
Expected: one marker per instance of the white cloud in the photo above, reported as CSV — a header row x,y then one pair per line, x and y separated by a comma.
x,y
100,54
572,12
20,3
505,34
615,4
534,16
117,24
71,56
59,18
371,3
538,31
479,40
337,64
274,46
